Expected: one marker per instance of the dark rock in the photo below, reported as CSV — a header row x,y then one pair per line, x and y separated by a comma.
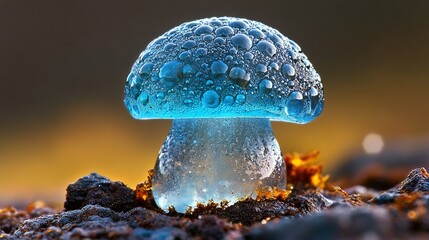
x,y
159,234
417,180
98,190
358,223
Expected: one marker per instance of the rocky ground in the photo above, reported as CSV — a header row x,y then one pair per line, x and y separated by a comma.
x,y
312,208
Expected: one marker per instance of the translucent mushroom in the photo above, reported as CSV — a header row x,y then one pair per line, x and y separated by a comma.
x,y
221,80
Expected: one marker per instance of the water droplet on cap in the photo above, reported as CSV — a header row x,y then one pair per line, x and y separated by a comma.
x,y
201,52
288,71
261,68
224,31
240,99
146,69
218,68
143,98
257,33
239,76
189,44
241,41
294,103
228,100
238,24
171,70
169,46
266,48
205,29
210,99
265,86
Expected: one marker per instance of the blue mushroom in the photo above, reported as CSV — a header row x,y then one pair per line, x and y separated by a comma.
x,y
221,80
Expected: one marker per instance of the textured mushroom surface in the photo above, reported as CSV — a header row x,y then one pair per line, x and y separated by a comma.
x,y
224,67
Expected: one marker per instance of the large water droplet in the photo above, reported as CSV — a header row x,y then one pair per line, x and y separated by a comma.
x,y
184,56
188,70
314,97
288,71
248,56
276,39
261,68
294,103
224,31
205,29
160,96
241,41
146,69
266,48
294,45
219,41
169,46
201,52
218,68
170,73
257,33
228,100
238,24
210,99
189,44
240,99
143,98
293,55
239,76
265,86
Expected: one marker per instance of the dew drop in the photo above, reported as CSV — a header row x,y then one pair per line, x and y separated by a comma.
x,y
294,103
288,71
205,29
239,76
189,44
169,46
218,68
294,45
224,31
314,97
275,66
143,98
185,56
209,83
228,100
266,48
265,86
187,102
240,99
257,33
188,70
210,99
171,70
146,69
201,52
219,41
261,68
238,24
241,41
208,38
248,56
293,55
160,96
233,51
276,39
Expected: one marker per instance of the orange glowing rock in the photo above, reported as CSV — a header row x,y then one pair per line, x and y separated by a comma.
x,y
300,169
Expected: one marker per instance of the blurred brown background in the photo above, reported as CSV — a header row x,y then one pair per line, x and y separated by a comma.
x,y
63,66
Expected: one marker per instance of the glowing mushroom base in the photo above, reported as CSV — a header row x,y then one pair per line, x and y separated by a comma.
x,y
216,159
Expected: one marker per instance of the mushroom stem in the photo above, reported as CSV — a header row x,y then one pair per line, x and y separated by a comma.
x,y
216,159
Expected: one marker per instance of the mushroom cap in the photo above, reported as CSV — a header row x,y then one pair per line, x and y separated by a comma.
x,y
224,68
